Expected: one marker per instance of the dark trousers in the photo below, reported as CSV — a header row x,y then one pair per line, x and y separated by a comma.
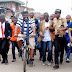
x,y
4,47
13,48
66,42
48,45
59,48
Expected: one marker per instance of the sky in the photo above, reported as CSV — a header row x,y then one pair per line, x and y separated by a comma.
x,y
50,6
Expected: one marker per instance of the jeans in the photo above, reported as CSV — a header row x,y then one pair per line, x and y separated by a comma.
x,y
47,44
35,42
40,49
68,50
13,48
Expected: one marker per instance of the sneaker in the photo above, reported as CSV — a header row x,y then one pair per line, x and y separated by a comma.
x,y
3,62
35,53
61,62
67,60
56,66
19,54
13,60
0,58
40,58
6,61
49,63
43,63
31,61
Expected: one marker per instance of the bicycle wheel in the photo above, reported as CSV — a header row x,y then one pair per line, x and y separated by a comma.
x,y
27,55
22,56
24,69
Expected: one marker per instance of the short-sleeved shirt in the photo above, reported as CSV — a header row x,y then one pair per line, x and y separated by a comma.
x,y
70,27
58,24
13,31
67,36
31,24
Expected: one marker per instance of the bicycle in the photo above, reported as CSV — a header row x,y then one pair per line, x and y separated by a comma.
x,y
25,53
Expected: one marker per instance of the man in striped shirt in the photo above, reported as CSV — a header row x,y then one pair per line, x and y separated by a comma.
x,y
27,28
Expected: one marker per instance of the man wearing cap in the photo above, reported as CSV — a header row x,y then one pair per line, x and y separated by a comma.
x,y
60,27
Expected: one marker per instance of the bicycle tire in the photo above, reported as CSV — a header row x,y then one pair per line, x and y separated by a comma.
x,y
24,65
27,55
22,56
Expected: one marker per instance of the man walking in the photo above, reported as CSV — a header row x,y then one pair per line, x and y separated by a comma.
x,y
5,34
60,27
46,38
14,39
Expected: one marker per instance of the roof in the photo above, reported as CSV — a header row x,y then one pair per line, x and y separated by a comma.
x,y
2,8
17,1
30,8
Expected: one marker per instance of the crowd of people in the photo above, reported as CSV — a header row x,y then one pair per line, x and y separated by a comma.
x,y
49,32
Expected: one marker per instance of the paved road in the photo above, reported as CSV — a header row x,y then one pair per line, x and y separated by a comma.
x,y
38,67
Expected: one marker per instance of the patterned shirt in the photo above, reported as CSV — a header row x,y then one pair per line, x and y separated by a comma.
x,y
31,24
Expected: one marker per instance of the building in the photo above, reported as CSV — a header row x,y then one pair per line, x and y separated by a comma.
x,y
11,5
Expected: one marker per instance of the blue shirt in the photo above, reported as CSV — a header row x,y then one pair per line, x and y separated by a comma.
x,y
67,37
70,27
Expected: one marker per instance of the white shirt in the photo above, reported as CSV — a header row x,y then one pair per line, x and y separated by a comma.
x,y
47,36
3,30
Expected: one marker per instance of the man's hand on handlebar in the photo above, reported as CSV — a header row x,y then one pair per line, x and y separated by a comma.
x,y
34,35
71,40
15,35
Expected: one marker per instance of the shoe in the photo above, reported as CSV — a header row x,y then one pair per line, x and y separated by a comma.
x,y
40,58
13,60
6,61
35,53
67,60
19,54
2,62
52,61
56,66
0,58
43,63
61,62
31,61
49,63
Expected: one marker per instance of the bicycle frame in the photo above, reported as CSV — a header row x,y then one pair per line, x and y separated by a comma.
x,y
25,53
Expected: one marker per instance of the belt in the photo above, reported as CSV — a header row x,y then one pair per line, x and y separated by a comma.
x,y
60,35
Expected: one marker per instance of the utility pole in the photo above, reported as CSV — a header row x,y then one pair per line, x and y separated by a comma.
x,y
26,5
